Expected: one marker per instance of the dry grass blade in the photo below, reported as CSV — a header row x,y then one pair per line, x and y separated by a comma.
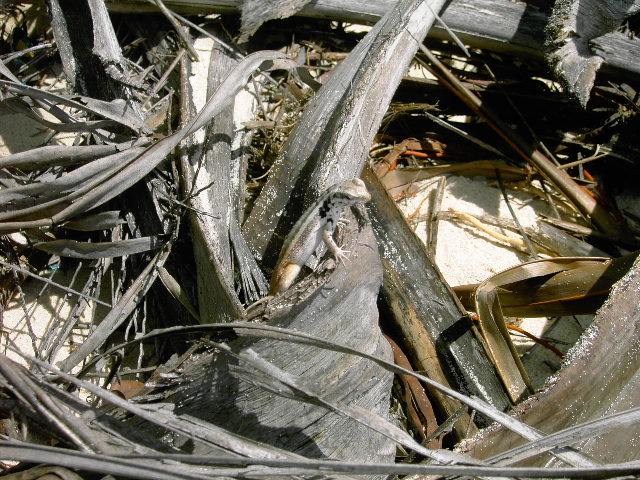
x,y
177,291
34,204
521,230
490,314
97,221
99,182
69,124
558,286
48,105
501,348
116,110
602,366
59,155
190,467
465,135
571,286
181,33
148,160
93,251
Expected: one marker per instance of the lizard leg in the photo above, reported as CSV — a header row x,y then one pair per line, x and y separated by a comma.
x,y
345,222
336,251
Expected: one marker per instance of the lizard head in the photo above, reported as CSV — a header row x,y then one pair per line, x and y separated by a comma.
x,y
352,191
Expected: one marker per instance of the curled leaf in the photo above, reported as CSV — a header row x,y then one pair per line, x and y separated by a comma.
x,y
128,388
547,283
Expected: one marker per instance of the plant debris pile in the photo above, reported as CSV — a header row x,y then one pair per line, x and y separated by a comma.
x,y
134,267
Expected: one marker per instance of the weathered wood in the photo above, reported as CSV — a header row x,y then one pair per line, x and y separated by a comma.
x,y
208,164
340,307
84,71
256,12
512,27
436,329
91,56
606,356
331,141
217,299
573,34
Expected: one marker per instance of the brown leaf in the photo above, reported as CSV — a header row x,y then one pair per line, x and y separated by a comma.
x,y
128,388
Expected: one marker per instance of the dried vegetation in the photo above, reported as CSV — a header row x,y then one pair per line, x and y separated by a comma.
x,y
138,229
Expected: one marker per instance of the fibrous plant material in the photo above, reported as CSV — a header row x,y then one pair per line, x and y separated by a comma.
x,y
306,390
573,34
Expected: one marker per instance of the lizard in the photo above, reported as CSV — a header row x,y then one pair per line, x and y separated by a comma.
x,y
316,225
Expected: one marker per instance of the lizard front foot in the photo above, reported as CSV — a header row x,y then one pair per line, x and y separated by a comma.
x,y
337,252
340,256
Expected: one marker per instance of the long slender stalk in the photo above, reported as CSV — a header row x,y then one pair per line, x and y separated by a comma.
x,y
587,205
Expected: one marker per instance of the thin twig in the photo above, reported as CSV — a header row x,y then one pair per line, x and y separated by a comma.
x,y
164,77
582,161
550,201
466,136
525,237
513,241
434,210
523,119
186,42
587,205
46,280
201,30
55,320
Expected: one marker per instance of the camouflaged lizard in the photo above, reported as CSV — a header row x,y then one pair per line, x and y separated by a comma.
x,y
316,225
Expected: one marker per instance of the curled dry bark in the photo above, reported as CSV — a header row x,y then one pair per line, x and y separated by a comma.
x,y
574,37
